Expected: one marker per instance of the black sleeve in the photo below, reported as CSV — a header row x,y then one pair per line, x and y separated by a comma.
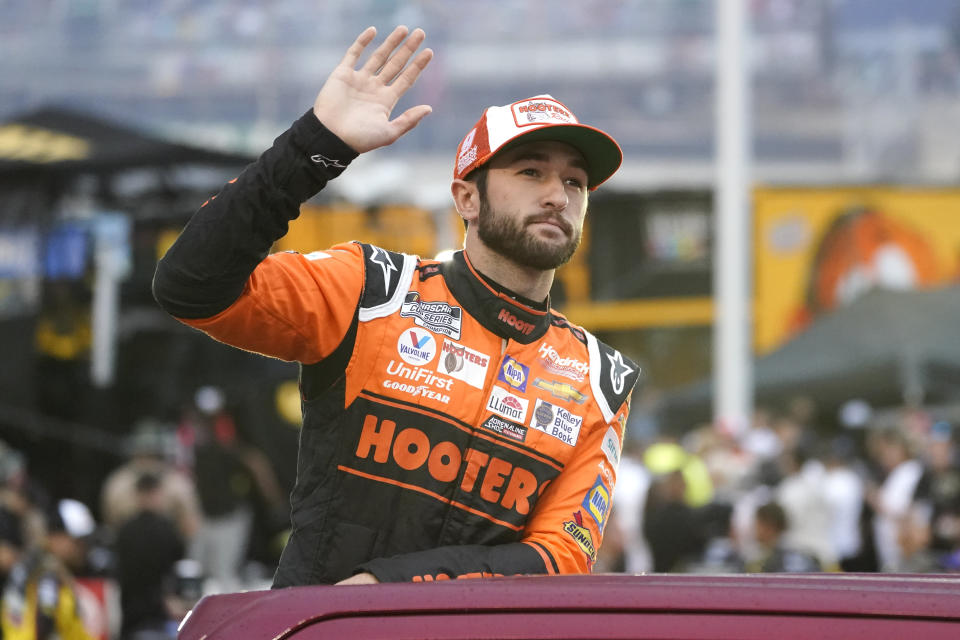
x,y
454,561
205,270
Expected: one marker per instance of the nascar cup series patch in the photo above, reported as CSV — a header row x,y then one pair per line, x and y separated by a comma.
x,y
438,316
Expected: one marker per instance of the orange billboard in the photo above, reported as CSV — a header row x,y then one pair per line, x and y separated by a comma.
x,y
819,248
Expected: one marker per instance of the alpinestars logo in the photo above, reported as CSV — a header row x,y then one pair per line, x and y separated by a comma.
x,y
326,162
618,371
382,258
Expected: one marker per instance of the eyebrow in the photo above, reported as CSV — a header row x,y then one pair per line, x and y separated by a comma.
x,y
539,156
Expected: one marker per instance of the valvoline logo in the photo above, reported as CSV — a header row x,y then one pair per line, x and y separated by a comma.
x,y
416,346
514,374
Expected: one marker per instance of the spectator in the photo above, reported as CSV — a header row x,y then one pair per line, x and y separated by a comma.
x,y
939,488
40,598
148,545
150,448
11,542
670,525
778,555
844,494
893,498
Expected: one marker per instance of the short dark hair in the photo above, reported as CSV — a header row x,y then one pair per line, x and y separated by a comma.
x,y
772,514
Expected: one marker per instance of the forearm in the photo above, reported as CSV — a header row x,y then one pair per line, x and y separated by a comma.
x,y
206,269
464,561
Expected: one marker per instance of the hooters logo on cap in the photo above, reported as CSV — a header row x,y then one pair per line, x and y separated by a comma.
x,y
537,118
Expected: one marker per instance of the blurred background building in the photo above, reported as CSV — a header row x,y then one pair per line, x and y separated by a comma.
x,y
857,159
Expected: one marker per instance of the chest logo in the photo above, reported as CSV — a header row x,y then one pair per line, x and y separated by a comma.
x,y
514,374
416,347
438,317
463,363
557,422
506,405
560,390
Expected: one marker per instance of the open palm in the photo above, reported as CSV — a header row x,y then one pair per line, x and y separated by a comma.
x,y
356,104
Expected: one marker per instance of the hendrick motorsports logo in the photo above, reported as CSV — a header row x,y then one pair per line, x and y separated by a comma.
x,y
438,317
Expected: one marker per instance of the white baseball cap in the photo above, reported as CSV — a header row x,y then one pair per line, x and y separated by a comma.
x,y
538,118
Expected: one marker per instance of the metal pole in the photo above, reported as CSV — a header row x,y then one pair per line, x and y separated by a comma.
x,y
732,371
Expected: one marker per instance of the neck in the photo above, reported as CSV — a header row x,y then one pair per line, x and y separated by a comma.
x,y
530,283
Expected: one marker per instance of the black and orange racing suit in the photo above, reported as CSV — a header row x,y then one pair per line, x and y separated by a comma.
x,y
450,428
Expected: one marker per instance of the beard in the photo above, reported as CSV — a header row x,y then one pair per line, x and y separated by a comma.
x,y
508,236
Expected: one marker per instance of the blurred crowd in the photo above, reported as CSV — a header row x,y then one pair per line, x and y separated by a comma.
x,y
175,521
786,496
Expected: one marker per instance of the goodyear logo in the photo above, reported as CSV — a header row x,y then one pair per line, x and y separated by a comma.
x,y
514,374
597,503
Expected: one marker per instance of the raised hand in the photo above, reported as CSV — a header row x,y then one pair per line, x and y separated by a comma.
x,y
356,104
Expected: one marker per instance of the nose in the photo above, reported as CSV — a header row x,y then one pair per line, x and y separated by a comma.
x,y
555,193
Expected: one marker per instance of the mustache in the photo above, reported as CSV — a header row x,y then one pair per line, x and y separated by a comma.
x,y
554,218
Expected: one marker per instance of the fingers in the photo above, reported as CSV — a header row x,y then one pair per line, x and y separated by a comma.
x,y
410,74
409,119
400,58
353,53
380,55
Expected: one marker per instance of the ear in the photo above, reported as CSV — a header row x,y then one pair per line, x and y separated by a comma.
x,y
466,198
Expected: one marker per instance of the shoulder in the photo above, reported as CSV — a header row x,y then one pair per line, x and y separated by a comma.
x,y
612,374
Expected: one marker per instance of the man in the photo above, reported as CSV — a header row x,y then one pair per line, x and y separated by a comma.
x,y
453,424
147,546
40,599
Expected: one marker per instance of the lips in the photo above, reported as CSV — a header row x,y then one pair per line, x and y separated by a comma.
x,y
556,221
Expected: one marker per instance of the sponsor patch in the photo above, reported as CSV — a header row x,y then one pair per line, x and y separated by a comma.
x,y
506,428
463,363
416,347
556,421
417,390
597,503
506,405
560,390
540,111
419,375
514,374
438,317
611,447
581,535
556,364
507,318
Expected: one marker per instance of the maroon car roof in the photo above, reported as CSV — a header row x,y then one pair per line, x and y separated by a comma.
x,y
270,614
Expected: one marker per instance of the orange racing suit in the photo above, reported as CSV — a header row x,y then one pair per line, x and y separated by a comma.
x,y
450,428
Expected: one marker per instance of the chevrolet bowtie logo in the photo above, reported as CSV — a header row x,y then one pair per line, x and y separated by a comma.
x,y
561,390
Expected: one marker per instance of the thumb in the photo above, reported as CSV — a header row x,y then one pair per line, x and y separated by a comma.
x,y
409,119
